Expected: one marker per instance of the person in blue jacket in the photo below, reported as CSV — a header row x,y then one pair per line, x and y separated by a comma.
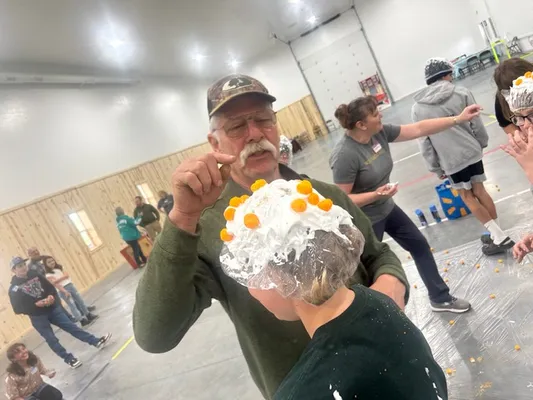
x,y
131,235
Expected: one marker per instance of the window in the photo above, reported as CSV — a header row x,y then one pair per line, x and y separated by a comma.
x,y
147,194
86,229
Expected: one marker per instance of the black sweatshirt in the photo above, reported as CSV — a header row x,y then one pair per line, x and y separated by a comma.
x,y
372,351
25,292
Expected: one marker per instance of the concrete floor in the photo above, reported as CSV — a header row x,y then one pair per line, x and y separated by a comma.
x,y
208,364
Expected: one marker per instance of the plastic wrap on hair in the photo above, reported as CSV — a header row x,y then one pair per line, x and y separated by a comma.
x,y
520,95
327,263
285,150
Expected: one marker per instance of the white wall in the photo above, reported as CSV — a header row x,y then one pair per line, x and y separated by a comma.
x,y
279,72
55,138
334,58
512,17
404,34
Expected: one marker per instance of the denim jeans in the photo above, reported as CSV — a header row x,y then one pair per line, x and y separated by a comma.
x,y
137,252
56,316
400,227
75,302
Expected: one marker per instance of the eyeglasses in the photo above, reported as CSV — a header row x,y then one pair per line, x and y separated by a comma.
x,y
238,127
519,120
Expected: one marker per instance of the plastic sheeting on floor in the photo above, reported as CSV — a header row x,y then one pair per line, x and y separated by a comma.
x,y
486,353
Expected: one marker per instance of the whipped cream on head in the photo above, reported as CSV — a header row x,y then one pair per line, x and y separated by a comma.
x,y
280,218
520,95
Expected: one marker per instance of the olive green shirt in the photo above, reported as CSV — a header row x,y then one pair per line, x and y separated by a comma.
x,y
183,275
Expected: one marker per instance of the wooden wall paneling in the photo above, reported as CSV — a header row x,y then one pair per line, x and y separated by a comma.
x,y
121,192
80,264
313,113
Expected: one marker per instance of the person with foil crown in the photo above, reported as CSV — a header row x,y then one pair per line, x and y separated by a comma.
x,y
520,146
296,252
285,150
184,274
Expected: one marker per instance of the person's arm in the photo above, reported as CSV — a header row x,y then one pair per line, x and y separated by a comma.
x,y
56,283
15,301
383,266
477,125
430,156
361,199
429,127
155,212
42,369
12,389
131,222
176,287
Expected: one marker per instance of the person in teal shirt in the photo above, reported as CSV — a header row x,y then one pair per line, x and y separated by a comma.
x,y
131,235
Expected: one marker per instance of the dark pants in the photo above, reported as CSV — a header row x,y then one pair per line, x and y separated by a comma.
x,y
137,252
56,316
400,227
45,392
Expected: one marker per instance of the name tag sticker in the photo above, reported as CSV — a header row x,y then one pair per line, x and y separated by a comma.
x,y
376,147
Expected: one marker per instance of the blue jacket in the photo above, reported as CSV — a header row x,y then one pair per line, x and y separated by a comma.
x,y
127,228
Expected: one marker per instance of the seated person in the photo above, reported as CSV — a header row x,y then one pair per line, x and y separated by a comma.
x,y
296,252
520,146
24,381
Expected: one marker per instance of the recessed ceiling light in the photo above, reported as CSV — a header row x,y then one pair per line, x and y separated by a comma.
x,y
312,19
198,57
234,63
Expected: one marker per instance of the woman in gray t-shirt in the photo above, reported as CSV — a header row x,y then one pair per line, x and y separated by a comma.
x,y
362,164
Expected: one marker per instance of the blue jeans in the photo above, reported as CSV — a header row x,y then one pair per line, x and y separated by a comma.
x,y
400,227
56,316
75,302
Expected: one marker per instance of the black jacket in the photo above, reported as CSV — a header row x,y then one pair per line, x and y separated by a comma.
x,y
146,214
25,292
166,204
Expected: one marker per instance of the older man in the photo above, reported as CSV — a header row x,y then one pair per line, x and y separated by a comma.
x,y
184,274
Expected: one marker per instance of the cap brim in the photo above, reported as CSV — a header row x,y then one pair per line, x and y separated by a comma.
x,y
266,96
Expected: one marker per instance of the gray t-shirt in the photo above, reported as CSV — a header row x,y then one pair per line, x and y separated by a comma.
x,y
367,166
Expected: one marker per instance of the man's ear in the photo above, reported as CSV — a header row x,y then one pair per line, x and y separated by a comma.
x,y
213,141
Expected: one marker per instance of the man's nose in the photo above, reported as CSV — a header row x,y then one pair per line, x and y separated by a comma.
x,y
254,133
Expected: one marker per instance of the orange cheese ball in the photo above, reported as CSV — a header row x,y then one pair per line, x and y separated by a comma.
x,y
299,205
258,184
235,202
325,204
229,214
313,199
304,187
251,221
225,236
244,197
528,74
519,81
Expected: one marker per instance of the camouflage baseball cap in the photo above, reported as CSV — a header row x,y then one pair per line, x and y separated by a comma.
x,y
232,86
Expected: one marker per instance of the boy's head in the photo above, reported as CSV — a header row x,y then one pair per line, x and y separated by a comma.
x,y
288,244
437,69
520,100
19,267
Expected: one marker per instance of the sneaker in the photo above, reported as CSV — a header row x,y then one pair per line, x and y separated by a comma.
x,y
456,305
91,308
491,249
92,317
104,340
74,363
486,239
85,322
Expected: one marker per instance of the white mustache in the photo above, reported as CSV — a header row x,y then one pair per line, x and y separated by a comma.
x,y
255,147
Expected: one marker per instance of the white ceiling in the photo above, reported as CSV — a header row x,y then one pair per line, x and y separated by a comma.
x,y
147,37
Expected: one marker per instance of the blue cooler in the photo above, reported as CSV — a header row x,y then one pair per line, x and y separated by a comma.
x,y
452,204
